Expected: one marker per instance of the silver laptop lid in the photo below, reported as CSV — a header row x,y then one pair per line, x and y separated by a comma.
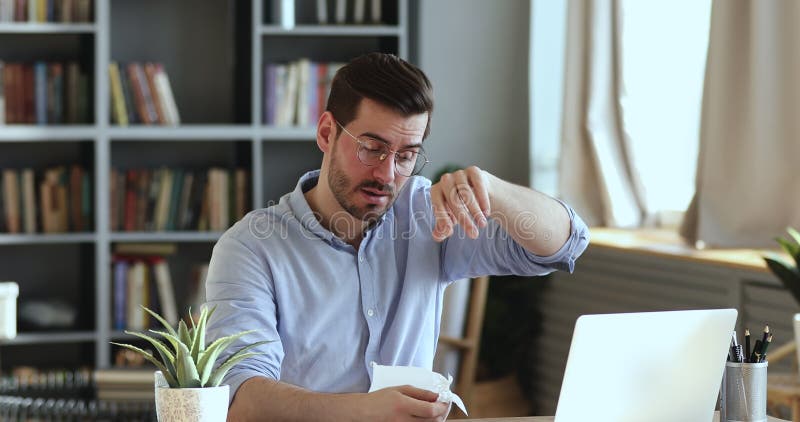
x,y
650,366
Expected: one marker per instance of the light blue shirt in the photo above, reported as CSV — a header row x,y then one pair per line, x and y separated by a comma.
x,y
334,310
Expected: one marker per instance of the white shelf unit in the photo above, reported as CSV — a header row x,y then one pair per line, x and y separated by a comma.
x,y
221,105
49,338
334,30
40,238
47,28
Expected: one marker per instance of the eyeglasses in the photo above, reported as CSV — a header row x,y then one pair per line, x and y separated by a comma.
x,y
372,152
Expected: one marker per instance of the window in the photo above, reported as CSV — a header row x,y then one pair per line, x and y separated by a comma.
x,y
663,54
664,45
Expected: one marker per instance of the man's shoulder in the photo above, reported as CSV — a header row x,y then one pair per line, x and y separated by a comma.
x,y
260,224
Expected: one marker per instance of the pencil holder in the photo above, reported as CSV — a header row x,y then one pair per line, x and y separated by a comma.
x,y
743,397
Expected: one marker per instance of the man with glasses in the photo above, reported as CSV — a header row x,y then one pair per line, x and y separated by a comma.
x,y
349,269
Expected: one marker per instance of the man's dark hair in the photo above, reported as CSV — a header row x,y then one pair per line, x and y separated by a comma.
x,y
384,78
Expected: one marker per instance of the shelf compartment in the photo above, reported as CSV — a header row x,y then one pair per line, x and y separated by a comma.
x,y
41,157
62,354
186,264
323,48
210,76
305,12
141,202
185,153
56,286
68,54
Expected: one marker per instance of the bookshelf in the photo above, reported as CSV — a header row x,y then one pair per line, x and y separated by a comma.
x,y
214,53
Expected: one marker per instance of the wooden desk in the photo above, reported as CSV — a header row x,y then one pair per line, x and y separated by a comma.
x,y
550,419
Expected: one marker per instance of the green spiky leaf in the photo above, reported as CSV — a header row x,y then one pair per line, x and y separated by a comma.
x,y
219,373
199,335
190,363
787,275
161,320
212,352
166,355
791,248
172,338
183,333
794,233
187,371
207,364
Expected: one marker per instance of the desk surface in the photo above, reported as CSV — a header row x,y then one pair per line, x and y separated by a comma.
x,y
550,419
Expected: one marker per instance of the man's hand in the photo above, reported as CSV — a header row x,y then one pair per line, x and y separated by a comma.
x,y
404,403
262,399
461,197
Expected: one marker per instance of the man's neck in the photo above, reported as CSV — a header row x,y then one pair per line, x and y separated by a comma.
x,y
325,207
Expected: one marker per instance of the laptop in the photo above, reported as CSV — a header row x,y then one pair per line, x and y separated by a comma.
x,y
649,366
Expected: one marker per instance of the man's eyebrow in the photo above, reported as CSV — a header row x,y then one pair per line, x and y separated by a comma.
x,y
381,139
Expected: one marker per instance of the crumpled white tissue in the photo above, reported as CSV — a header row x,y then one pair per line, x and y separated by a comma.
x,y
391,376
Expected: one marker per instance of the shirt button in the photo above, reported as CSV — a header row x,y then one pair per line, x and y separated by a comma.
x,y
370,312
373,363
361,258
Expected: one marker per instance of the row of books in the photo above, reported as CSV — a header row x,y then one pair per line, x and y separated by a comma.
x,y
44,93
125,384
62,11
53,200
141,279
27,381
178,199
344,11
77,394
13,408
141,94
296,93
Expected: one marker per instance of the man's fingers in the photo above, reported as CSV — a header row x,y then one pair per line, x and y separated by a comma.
x,y
422,403
418,393
477,179
470,199
463,197
462,194
443,226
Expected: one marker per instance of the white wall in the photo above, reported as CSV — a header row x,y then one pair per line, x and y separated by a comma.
x,y
476,54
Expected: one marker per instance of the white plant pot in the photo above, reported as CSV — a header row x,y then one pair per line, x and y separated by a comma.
x,y
190,404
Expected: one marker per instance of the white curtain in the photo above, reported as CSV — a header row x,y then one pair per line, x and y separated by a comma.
x,y
748,175
596,174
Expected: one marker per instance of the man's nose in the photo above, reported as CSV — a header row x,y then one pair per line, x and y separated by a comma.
x,y
384,171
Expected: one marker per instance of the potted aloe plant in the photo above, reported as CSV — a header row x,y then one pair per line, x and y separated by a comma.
x,y
187,383
789,273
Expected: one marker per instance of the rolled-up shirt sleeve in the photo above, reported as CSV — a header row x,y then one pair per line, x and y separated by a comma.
x,y
241,288
495,252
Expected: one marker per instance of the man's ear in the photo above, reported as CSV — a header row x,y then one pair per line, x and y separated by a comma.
x,y
326,131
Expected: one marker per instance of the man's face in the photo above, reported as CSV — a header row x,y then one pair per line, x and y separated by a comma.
x,y
367,192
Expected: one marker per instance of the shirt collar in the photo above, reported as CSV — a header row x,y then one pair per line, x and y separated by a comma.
x,y
302,211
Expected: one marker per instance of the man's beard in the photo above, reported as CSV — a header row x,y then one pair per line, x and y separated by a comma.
x,y
341,186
